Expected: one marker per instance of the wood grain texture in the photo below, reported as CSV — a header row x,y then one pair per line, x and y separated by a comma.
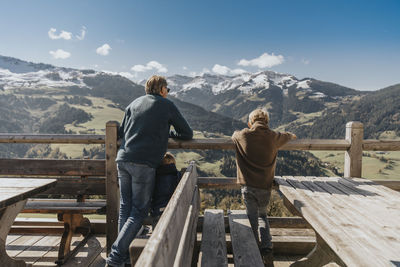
x,y
112,189
226,143
353,155
213,244
21,189
244,245
51,138
163,244
186,244
52,167
362,216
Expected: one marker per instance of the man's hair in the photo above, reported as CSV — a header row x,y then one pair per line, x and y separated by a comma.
x,y
259,115
154,84
168,159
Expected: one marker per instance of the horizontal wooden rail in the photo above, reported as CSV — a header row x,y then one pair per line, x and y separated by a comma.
x,y
213,143
52,138
381,145
231,183
226,143
52,167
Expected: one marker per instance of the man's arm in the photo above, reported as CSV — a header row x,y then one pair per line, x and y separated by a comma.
x,y
182,128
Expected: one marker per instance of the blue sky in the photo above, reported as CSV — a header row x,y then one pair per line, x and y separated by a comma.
x,y
353,43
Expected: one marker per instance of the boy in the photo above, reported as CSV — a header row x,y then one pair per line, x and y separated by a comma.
x,y
256,151
167,179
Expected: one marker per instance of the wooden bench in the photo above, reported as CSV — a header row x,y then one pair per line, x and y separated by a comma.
x,y
172,241
213,245
356,220
74,183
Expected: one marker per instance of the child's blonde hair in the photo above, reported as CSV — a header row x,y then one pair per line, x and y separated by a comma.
x,y
168,159
259,115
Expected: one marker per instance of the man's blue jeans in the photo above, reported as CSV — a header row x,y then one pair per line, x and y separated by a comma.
x,y
136,184
256,201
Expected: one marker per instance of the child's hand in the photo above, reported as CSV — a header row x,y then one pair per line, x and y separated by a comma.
x,y
293,136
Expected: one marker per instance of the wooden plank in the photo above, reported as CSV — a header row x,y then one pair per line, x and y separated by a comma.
x,y
87,254
186,244
381,145
136,248
52,138
31,187
245,248
359,223
77,186
218,182
274,222
324,221
213,244
392,184
43,206
226,143
371,216
52,167
163,244
353,156
111,183
24,242
39,249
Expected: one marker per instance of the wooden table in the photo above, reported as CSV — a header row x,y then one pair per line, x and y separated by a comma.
x,y
357,221
14,193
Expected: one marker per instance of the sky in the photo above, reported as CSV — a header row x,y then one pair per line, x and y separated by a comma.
x,y
352,43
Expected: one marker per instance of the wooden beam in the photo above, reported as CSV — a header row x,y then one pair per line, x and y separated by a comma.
x,y
381,145
392,184
163,244
213,244
52,138
226,143
274,222
52,167
111,183
77,186
353,156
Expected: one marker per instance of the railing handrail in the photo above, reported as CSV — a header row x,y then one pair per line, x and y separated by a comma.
x,y
210,143
52,138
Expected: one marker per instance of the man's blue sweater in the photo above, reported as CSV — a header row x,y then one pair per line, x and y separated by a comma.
x,y
145,130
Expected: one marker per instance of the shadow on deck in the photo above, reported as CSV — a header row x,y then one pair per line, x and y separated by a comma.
x,y
41,250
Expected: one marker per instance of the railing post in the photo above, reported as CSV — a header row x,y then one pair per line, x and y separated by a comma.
x,y
353,156
112,190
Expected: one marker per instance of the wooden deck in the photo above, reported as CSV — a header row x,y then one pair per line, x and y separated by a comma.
x,y
41,250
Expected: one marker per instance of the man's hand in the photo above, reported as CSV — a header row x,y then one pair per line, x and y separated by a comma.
x,y
293,136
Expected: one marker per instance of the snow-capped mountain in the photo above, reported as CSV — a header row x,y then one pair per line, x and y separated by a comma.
x,y
236,96
15,73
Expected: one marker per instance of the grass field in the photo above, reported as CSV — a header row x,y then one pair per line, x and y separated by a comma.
x,y
376,165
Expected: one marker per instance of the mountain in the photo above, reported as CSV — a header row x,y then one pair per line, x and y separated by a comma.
x,y
281,94
29,89
379,111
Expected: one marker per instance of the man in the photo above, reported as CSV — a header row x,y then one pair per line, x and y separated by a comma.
x,y
256,151
145,130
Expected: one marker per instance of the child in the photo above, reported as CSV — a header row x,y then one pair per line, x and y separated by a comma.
x,y
167,179
256,151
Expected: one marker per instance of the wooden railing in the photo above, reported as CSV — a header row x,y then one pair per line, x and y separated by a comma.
x,y
353,145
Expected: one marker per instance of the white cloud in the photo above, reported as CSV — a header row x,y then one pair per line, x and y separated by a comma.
x,y
60,54
103,50
223,70
82,35
63,35
184,68
305,61
124,74
264,61
152,65
201,73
